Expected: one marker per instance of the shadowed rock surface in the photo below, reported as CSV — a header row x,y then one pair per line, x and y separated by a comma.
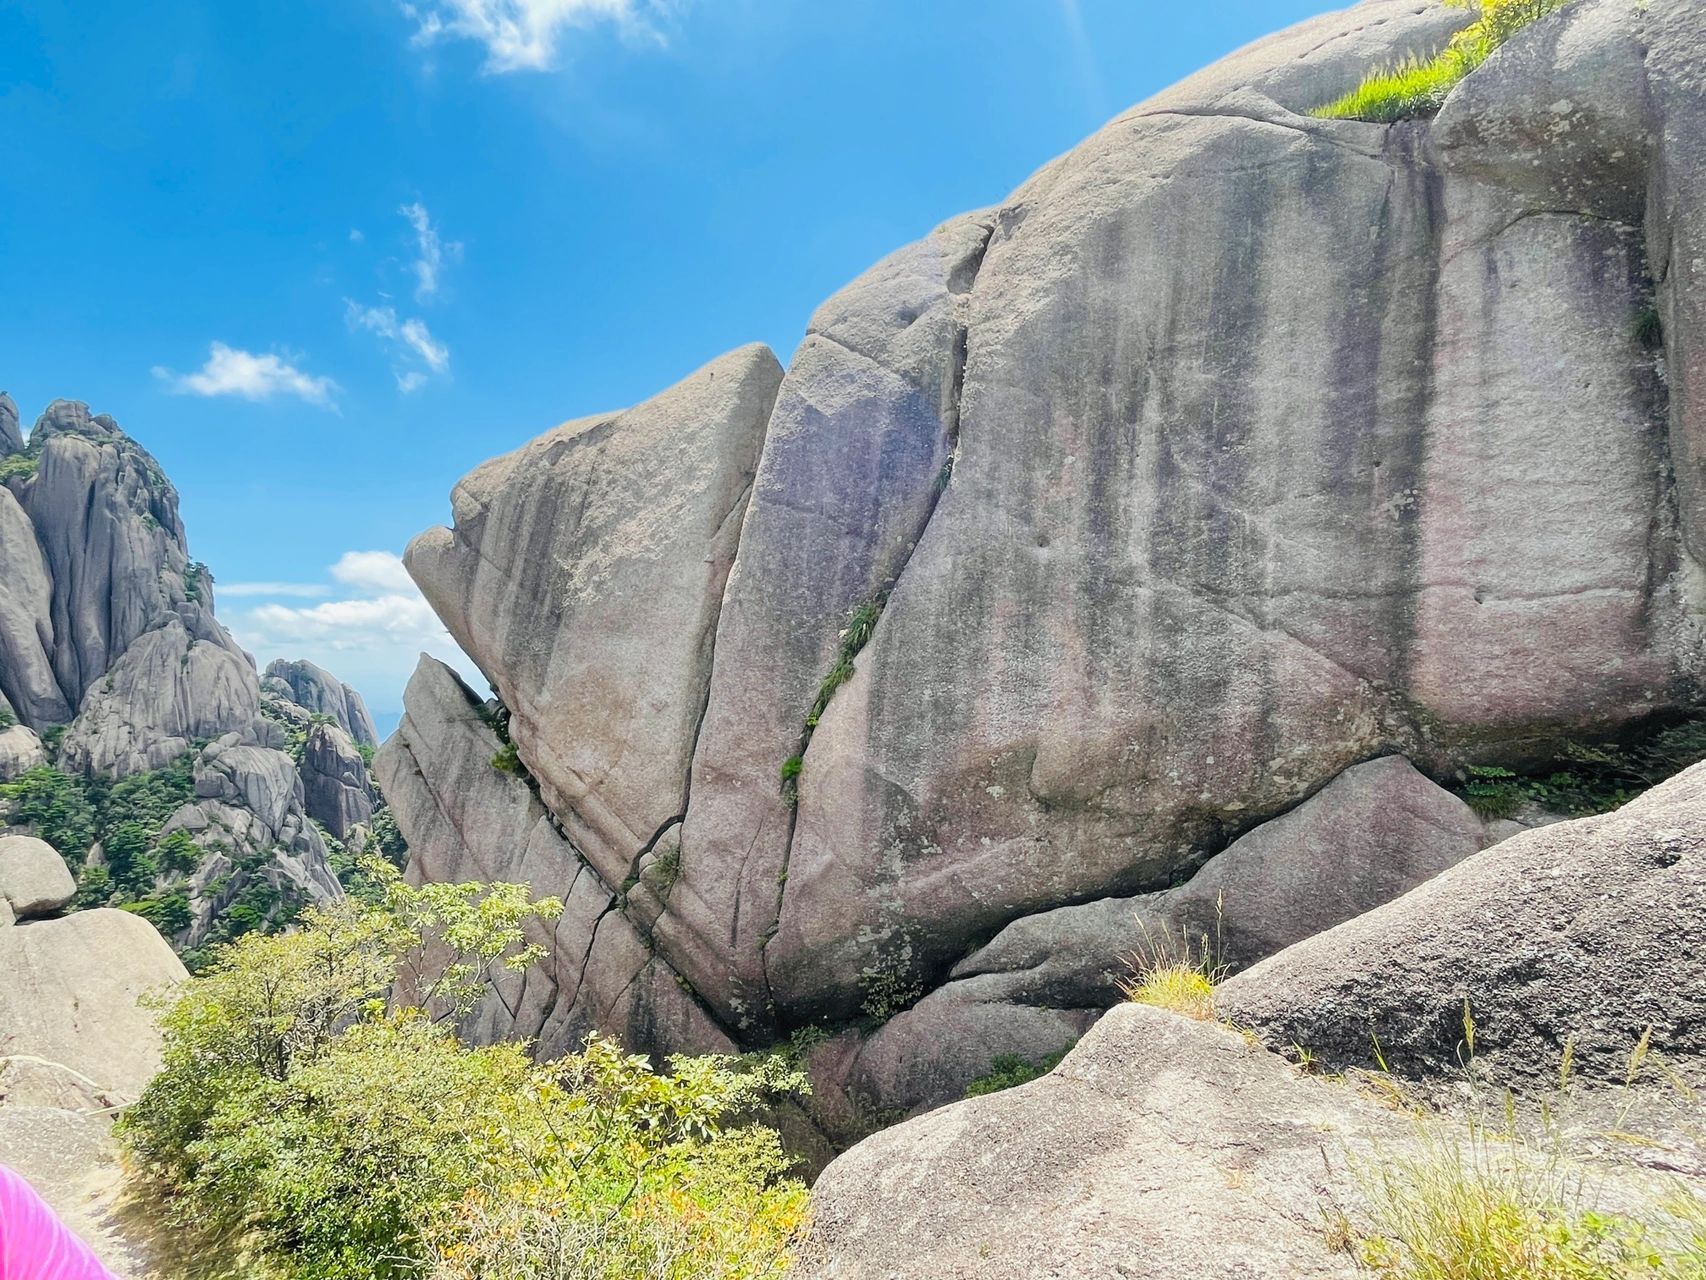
x,y
1093,532
336,790
1589,933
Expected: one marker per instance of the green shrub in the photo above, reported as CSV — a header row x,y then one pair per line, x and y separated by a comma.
x,y
508,760
57,806
167,912
322,1137
18,466
7,717
1419,88
1588,779
1008,1071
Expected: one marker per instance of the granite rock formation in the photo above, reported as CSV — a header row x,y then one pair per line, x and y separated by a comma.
x,y
1097,532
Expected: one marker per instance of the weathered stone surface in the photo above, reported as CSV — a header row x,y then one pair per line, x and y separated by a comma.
x,y
71,1026
1280,519
11,438
34,879
1376,831
169,689
1278,445
1159,1148
318,691
607,535
107,521
466,820
1584,933
27,680
336,790
20,750
863,430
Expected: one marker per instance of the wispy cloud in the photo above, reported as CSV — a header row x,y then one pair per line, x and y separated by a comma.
x,y
523,35
410,341
431,252
370,634
303,590
230,371
373,571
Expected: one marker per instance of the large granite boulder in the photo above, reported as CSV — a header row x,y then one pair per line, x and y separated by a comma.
x,y
20,751
319,692
1160,1147
336,791
1589,933
607,535
73,1028
34,880
467,819
11,437
1233,450
1377,830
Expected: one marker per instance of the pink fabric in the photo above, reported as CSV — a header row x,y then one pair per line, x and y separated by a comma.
x,y
34,1244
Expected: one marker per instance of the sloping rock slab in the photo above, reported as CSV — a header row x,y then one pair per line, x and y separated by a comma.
x,y
1587,933
73,1031
1160,1147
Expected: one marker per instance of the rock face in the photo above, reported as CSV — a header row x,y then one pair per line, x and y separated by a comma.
x,y
606,534
108,635
337,791
1160,1147
469,821
71,1023
34,880
1589,933
1235,449
322,693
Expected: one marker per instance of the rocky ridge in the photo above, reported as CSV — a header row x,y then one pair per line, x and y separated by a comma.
x,y
134,733
1062,578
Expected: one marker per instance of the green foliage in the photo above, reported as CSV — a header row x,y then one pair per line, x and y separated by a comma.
x,y
167,912
51,737
56,805
366,751
7,718
18,466
322,1137
1649,328
508,760
177,854
861,622
387,839
890,986
1419,88
1588,779
197,579
1008,1070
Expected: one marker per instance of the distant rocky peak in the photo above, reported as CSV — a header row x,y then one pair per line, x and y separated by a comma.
x,y
11,438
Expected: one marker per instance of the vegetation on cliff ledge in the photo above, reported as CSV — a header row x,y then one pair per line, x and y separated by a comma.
x,y
1419,88
305,1127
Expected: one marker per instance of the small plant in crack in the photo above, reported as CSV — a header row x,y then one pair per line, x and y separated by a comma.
x,y
861,622
1649,328
890,987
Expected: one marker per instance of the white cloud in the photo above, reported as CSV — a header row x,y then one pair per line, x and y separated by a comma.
x,y
410,340
431,251
522,35
238,590
373,571
355,236
370,636
233,372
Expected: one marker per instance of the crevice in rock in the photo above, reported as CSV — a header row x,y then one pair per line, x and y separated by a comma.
x,y
960,284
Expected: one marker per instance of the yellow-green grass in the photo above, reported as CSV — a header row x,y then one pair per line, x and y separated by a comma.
x,y
1419,88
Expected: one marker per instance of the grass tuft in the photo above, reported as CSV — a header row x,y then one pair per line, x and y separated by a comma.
x,y
1416,88
1175,972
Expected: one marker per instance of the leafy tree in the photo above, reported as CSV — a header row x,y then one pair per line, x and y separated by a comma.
x,y
56,805
345,1140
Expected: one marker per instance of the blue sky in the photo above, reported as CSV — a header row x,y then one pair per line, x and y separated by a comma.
x,y
323,257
